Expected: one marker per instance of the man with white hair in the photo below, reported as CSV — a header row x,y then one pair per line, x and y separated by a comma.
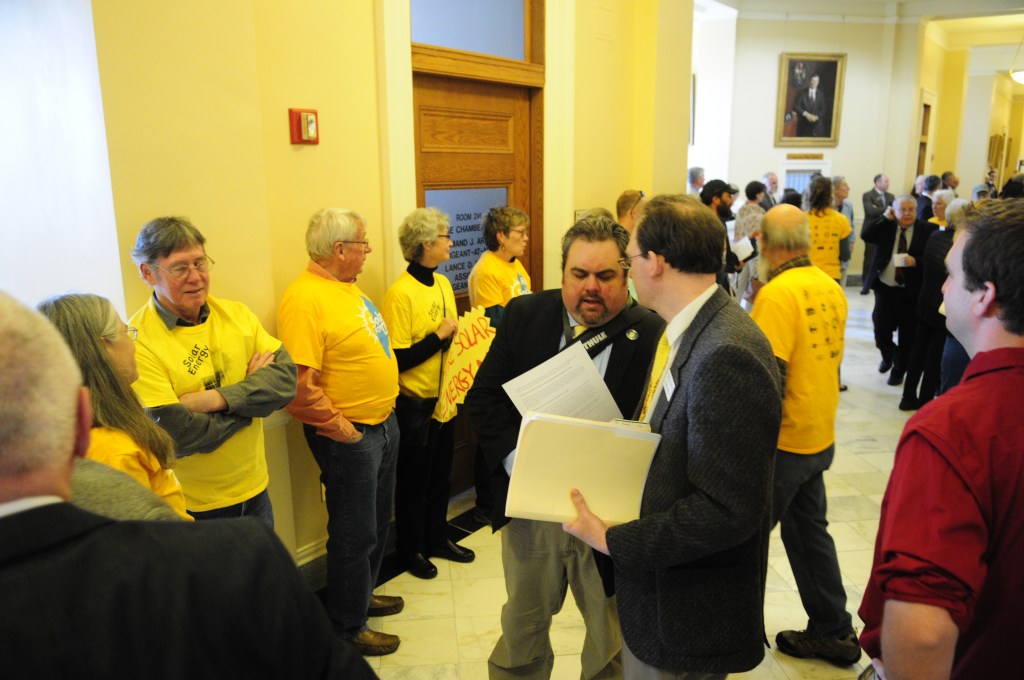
x,y
347,385
82,594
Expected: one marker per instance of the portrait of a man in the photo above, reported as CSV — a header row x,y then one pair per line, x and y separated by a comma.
x,y
810,98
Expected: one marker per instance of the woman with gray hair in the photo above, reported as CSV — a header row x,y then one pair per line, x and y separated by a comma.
x,y
419,310
122,437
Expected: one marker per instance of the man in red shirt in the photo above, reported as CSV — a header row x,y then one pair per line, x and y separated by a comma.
x,y
945,586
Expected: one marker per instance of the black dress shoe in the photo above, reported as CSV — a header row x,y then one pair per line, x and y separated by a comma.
x,y
419,566
909,404
454,553
895,378
885,365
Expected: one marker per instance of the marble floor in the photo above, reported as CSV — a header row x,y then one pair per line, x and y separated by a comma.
x,y
450,623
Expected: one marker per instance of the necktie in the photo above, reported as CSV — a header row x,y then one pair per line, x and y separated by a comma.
x,y
657,368
812,96
577,331
901,247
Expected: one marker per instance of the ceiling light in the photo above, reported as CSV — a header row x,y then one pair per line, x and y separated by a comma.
x,y
1017,75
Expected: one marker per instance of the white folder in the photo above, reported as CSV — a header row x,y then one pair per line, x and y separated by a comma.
x,y
607,462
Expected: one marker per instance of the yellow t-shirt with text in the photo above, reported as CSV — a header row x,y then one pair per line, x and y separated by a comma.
x,y
191,358
333,327
412,311
827,230
495,281
803,313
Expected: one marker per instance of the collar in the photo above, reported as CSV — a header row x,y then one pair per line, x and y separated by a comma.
x,y
171,319
994,360
424,275
22,504
316,270
802,261
681,321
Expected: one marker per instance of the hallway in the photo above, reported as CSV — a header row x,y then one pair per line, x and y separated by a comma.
x,y
450,624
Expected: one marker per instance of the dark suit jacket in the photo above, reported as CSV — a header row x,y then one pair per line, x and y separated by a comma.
x,y
819,108
528,336
883,234
933,275
83,597
689,574
768,202
925,208
875,205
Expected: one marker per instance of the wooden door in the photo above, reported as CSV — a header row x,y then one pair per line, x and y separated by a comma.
x,y
471,134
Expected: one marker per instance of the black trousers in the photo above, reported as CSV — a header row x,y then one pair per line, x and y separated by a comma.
x,y
422,490
925,363
894,312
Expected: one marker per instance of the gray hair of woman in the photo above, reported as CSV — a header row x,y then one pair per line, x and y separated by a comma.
x,y
419,228
958,210
748,221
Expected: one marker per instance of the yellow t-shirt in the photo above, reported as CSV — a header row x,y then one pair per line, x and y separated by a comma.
x,y
116,449
495,281
191,358
331,326
827,230
803,313
412,311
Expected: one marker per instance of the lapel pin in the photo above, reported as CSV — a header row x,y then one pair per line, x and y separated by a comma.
x,y
632,334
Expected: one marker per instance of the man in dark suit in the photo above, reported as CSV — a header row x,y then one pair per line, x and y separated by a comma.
x,y
925,203
876,201
812,111
690,573
771,183
84,596
899,239
539,560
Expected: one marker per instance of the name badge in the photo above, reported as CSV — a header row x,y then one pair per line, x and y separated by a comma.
x,y
670,386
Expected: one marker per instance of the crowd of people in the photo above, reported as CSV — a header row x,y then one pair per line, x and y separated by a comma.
x,y
690,313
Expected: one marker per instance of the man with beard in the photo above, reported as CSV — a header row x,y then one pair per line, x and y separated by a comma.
x,y
540,561
719,196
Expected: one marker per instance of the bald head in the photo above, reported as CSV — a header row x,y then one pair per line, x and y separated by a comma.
x,y
785,229
39,413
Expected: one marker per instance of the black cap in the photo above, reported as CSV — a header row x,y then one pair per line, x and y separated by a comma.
x,y
717,187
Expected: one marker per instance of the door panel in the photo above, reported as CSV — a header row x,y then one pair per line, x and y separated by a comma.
x,y
474,134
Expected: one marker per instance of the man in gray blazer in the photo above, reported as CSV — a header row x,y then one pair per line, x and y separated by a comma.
x,y
690,573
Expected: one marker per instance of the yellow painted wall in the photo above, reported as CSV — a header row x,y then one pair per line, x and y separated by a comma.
x,y
950,111
605,115
632,94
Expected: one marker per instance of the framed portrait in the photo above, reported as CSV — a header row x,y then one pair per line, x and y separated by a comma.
x,y
810,99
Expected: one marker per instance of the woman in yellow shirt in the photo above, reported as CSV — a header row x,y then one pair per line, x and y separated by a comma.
x,y
498,276
829,229
122,437
419,310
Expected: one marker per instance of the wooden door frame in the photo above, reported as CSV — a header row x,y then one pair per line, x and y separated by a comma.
x,y
442,61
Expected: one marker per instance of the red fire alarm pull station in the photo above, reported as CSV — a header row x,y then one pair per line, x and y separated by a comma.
x,y
303,126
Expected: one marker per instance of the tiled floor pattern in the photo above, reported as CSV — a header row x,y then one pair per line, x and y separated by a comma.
x,y
450,623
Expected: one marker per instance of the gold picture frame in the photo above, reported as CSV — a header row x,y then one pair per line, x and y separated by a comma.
x,y
803,117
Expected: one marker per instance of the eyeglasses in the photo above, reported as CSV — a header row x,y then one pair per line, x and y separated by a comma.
x,y
447,236
132,332
627,262
635,204
180,271
365,244
519,230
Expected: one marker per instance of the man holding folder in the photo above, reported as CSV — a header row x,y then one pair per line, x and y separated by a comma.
x,y
689,574
540,561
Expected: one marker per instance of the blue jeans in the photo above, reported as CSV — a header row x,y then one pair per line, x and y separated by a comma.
x,y
258,506
798,501
360,488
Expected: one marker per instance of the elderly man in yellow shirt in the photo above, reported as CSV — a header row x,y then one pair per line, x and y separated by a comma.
x,y
347,384
802,311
